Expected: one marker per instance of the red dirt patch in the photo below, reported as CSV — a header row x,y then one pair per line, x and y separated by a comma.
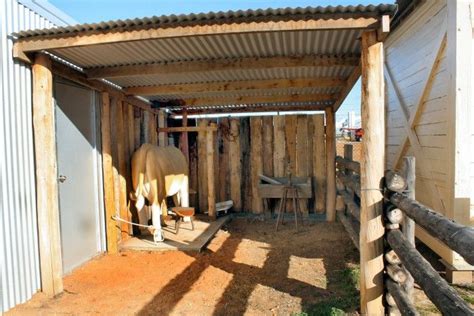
x,y
248,269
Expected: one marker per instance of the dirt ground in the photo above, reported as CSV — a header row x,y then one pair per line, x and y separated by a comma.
x,y
248,269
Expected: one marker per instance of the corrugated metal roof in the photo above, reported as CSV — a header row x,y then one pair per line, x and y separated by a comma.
x,y
235,75
223,46
250,93
220,17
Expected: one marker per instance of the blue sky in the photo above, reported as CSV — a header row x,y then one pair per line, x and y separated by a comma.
x,y
88,11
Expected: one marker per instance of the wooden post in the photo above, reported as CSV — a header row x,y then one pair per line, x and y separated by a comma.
x,y
211,194
409,171
235,165
202,167
319,164
330,165
47,204
122,166
107,166
372,172
162,137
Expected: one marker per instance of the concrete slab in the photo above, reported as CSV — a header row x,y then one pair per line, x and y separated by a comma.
x,y
185,240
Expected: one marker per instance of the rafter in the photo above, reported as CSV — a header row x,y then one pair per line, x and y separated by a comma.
x,y
221,65
38,43
328,98
235,86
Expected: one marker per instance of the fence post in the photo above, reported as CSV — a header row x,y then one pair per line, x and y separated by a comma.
x,y
408,226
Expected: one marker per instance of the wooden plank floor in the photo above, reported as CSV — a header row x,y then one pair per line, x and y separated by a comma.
x,y
185,240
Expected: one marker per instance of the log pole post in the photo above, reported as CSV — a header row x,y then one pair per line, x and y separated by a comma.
x,y
107,166
330,165
408,226
372,172
211,194
47,202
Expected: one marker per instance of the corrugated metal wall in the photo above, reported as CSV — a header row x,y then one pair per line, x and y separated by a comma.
x,y
19,261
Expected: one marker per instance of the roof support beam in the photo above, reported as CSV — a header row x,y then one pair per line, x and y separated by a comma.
x,y
235,86
326,98
80,78
27,45
221,65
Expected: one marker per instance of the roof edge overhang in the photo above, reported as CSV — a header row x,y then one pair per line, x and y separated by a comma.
x,y
271,20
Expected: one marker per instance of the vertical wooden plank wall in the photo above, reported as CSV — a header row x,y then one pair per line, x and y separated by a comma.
x,y
319,163
202,167
256,162
248,147
235,160
245,147
290,144
279,146
302,154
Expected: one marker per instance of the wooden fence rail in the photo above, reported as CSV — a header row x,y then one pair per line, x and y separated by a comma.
x,y
348,190
405,263
457,237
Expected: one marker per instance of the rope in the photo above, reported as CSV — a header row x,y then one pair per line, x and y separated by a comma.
x,y
117,218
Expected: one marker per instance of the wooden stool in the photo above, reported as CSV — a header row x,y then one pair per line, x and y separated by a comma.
x,y
180,213
293,190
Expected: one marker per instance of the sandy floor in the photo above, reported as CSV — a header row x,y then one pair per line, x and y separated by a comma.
x,y
247,269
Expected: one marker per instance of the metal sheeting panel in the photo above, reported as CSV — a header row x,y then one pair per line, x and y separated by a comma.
x,y
253,93
19,261
264,44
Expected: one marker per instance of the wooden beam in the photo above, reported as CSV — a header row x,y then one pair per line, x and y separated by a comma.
x,y
107,167
330,165
222,65
97,85
37,43
193,88
260,99
47,202
384,28
372,172
211,193
351,81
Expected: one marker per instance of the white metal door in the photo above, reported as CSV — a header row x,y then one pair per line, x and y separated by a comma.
x,y
78,174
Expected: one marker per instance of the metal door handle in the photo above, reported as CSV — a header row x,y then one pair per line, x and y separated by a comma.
x,y
62,178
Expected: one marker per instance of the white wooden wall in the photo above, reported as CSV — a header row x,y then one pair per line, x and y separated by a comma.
x,y
429,109
411,55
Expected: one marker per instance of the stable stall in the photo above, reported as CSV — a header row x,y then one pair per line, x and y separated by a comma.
x,y
148,70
